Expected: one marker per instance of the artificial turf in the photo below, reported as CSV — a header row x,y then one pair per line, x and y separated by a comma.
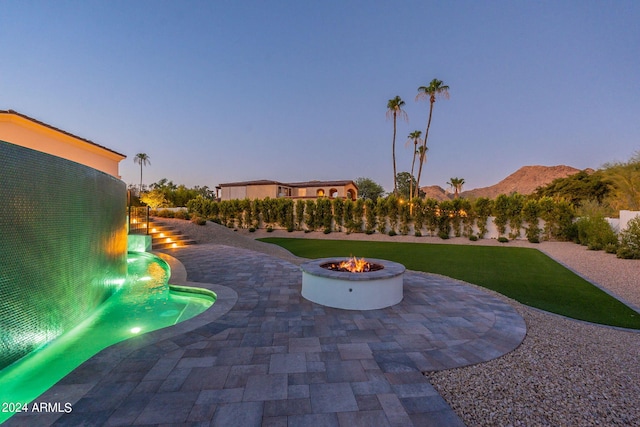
x,y
526,275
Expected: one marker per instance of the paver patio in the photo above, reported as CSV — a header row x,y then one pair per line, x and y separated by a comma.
x,y
264,356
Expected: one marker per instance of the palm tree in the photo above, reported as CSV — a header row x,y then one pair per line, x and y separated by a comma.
x,y
422,152
456,184
415,137
394,108
143,159
435,89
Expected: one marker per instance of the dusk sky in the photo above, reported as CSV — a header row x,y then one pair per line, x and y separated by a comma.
x,y
224,91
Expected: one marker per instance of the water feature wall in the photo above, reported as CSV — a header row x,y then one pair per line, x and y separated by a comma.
x,y
63,246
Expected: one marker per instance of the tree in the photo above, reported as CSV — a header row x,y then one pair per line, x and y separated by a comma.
x,y
456,184
406,182
394,109
154,199
578,188
625,182
415,138
143,160
368,189
435,89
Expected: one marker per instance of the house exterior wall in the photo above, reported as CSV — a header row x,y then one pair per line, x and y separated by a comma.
x,y
230,193
275,190
302,192
27,133
341,190
63,245
262,191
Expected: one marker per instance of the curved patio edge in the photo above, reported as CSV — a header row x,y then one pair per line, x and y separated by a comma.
x,y
262,343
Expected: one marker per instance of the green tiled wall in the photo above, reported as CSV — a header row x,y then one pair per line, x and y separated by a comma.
x,y
63,246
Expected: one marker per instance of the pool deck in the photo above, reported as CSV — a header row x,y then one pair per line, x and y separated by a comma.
x,y
262,355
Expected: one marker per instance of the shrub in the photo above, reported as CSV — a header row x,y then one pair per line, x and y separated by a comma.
x,y
443,234
531,214
326,231
595,233
446,214
392,233
393,209
501,213
473,238
203,207
198,220
165,213
300,204
338,213
252,230
503,239
290,229
627,253
269,229
405,218
381,215
324,214
181,214
482,208
611,248
630,240
370,216
358,214
418,233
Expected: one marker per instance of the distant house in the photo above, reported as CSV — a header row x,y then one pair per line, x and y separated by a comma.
x,y
293,190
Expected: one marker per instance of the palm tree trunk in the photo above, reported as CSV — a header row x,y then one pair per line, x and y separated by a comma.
x,y
395,183
413,164
424,144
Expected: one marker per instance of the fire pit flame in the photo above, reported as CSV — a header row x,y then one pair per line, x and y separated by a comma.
x,y
353,265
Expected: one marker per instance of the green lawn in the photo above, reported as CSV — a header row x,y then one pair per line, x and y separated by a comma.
x,y
526,275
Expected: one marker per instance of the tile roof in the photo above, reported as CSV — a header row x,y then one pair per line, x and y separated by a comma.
x,y
289,184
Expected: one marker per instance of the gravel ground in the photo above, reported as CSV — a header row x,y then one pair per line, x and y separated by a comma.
x,y
565,373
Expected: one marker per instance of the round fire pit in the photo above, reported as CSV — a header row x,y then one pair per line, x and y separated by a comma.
x,y
378,288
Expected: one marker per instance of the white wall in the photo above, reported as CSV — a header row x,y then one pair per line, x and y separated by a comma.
x,y
625,217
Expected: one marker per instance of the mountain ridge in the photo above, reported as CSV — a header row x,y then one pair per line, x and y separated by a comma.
x,y
523,181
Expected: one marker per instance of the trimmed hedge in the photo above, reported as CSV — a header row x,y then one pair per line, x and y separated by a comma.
x,y
514,214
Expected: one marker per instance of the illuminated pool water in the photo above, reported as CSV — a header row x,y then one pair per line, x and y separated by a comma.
x,y
145,303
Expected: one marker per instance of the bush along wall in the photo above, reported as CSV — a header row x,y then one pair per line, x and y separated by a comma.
x,y
507,217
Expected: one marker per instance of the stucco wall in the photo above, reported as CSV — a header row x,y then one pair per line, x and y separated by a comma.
x,y
625,217
229,193
262,191
63,246
26,133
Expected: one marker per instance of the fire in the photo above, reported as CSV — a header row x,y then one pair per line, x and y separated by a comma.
x,y
355,265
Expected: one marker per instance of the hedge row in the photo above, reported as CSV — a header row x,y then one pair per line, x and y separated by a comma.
x,y
460,217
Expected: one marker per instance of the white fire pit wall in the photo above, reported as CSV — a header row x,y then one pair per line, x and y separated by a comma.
x,y
353,291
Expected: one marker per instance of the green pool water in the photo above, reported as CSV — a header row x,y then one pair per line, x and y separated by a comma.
x,y
144,303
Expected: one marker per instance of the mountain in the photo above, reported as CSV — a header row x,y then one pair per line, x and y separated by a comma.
x,y
523,181
436,192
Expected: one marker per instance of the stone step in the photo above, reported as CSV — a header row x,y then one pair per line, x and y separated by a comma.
x,y
167,237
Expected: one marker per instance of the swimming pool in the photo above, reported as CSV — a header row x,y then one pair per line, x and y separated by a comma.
x,y
146,302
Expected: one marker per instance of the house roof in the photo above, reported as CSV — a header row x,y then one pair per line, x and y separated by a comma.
x,y
289,184
31,119
322,183
257,182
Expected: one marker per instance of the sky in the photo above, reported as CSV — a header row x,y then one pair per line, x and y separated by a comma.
x,y
222,91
